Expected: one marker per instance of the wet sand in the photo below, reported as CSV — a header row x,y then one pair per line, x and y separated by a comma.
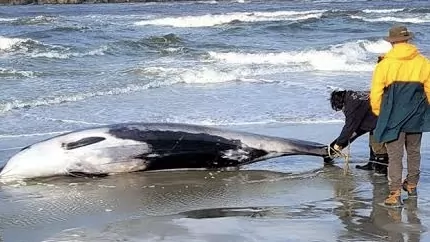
x,y
285,199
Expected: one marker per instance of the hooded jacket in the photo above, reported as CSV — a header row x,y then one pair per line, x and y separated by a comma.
x,y
359,119
399,93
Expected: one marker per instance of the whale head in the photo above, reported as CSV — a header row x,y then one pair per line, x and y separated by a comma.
x,y
92,151
45,158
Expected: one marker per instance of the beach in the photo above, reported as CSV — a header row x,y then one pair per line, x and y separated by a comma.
x,y
266,67
286,199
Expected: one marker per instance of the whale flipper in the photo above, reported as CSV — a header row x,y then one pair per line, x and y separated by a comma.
x,y
82,142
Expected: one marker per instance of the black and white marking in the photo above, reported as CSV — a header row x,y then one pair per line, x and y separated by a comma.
x,y
130,147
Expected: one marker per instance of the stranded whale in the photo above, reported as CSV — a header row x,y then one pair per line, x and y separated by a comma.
x,y
129,147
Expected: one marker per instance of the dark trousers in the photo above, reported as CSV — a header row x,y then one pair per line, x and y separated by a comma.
x,y
412,143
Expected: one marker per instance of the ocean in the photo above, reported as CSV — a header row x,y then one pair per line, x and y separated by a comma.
x,y
261,66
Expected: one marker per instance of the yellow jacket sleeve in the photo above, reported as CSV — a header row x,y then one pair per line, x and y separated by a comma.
x,y
426,81
377,89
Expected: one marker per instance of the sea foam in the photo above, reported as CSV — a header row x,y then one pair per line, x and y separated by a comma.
x,y
209,20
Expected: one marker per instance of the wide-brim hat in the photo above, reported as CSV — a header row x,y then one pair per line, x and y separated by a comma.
x,y
398,34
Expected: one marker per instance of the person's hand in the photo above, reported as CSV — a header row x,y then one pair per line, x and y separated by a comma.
x,y
337,147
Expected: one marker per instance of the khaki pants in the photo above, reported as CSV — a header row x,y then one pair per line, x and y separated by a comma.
x,y
412,143
377,148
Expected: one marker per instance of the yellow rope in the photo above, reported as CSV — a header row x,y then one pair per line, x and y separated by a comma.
x,y
347,155
332,153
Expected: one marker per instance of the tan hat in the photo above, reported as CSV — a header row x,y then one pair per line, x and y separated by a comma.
x,y
398,33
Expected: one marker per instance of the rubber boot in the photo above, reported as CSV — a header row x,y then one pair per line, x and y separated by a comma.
x,y
370,165
381,164
328,161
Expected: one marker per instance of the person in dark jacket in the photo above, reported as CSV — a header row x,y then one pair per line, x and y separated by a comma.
x,y
359,120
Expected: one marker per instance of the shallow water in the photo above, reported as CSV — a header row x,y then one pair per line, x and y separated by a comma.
x,y
260,66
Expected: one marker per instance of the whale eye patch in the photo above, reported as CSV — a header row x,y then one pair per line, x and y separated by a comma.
x,y
82,142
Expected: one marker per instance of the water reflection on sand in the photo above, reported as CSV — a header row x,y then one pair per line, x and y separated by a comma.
x,y
247,205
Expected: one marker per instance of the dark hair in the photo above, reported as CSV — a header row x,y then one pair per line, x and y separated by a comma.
x,y
337,100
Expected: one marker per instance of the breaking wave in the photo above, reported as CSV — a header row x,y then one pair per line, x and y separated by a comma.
x,y
358,56
19,104
395,10
8,73
416,20
36,20
65,54
199,75
7,19
10,44
209,20
36,49
351,56
370,15
162,76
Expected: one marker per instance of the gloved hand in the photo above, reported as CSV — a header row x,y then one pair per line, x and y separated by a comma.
x,y
332,154
337,147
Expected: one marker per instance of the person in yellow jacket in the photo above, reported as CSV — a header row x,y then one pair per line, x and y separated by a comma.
x,y
399,95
